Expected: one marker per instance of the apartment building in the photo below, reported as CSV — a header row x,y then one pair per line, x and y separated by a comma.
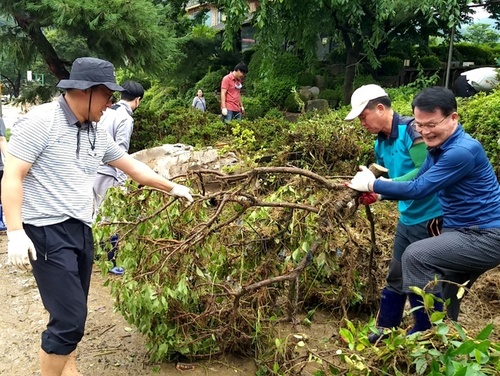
x,y
215,17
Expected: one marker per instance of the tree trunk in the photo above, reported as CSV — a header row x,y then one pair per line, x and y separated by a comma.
x,y
55,65
17,85
353,53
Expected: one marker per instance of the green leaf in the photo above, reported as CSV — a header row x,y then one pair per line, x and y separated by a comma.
x,y
199,272
346,335
485,333
481,357
466,348
428,301
437,317
420,366
442,329
435,353
460,331
417,290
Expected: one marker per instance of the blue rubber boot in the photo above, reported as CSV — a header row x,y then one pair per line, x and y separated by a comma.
x,y
2,224
390,314
421,316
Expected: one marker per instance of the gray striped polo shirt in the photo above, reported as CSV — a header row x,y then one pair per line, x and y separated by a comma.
x,y
59,184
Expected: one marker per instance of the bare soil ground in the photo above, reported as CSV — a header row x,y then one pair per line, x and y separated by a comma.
x,y
110,346
113,347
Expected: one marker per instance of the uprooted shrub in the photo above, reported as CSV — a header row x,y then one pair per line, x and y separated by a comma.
x,y
255,248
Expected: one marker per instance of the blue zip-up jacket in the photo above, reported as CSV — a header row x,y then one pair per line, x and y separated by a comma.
x,y
393,153
460,173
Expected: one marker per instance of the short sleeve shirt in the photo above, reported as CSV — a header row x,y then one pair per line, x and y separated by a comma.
x,y
58,186
233,87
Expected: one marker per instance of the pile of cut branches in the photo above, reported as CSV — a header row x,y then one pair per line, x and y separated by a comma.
x,y
214,276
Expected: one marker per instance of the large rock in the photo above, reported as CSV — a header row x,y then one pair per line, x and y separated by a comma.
x,y
320,81
305,93
317,105
315,91
175,160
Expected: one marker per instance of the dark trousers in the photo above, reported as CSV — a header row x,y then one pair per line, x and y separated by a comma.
x,y
458,255
463,88
62,271
406,235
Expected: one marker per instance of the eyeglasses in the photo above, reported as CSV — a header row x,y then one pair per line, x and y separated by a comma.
x,y
106,92
429,126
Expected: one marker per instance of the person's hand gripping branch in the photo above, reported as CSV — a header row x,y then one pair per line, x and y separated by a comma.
x,y
181,191
20,249
362,180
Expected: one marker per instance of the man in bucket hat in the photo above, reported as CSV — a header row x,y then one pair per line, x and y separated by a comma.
x,y
53,156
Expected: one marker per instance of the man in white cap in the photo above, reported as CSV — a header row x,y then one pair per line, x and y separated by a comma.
x,y
52,160
400,149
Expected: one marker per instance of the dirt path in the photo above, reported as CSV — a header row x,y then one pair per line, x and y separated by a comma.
x,y
110,346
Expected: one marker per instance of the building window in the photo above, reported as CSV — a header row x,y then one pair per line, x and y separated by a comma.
x,y
247,37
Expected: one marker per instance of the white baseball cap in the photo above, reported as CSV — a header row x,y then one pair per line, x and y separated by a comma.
x,y
361,97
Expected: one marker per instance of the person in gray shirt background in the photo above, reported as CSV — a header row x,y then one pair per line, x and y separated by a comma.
x,y
199,101
119,123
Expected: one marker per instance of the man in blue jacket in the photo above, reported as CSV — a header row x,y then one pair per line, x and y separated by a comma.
x,y
458,170
400,149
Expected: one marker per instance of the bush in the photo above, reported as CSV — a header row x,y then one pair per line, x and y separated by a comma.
x,y
291,104
287,65
431,61
175,124
338,56
274,113
255,73
157,100
390,66
480,115
269,133
363,80
213,104
275,90
255,107
273,80
306,79
480,55
333,96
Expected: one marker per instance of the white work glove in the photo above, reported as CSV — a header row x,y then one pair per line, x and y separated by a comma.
x,y
224,111
20,249
181,191
242,109
362,179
